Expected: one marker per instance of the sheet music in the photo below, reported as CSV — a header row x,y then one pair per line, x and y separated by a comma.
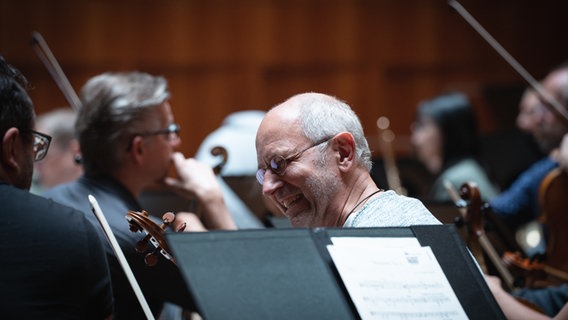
x,y
380,242
395,282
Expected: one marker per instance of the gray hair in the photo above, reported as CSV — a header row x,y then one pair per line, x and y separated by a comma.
x,y
323,116
58,123
113,107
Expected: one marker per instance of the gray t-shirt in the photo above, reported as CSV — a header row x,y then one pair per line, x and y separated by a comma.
x,y
390,209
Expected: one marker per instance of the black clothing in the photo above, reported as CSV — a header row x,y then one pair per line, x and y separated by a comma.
x,y
53,264
160,283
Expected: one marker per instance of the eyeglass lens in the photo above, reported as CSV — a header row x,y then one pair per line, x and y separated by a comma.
x,y
41,145
277,165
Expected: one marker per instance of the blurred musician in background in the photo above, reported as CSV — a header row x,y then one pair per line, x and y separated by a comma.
x,y
53,263
62,163
530,111
519,203
553,300
446,140
127,136
314,165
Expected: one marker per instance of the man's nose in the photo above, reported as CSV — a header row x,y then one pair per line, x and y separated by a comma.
x,y
271,183
175,141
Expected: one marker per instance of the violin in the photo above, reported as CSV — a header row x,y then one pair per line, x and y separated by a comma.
x,y
141,222
553,202
513,267
473,219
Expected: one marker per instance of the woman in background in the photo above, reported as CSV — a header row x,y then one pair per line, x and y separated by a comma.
x,y
445,138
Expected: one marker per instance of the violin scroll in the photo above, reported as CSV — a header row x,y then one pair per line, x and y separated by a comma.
x,y
471,199
140,221
473,219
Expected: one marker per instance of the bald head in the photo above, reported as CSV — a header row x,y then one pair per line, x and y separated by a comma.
x,y
556,83
314,117
289,113
552,125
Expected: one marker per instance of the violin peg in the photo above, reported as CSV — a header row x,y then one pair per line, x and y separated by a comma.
x,y
153,239
142,246
458,221
134,227
168,217
151,259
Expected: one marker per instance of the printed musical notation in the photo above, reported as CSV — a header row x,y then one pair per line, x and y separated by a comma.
x,y
395,280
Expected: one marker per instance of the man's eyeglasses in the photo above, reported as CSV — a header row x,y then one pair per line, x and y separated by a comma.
x,y
172,132
278,164
41,144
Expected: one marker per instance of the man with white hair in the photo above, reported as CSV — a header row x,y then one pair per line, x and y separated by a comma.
x,y
314,165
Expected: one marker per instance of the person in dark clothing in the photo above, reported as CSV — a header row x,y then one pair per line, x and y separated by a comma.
x,y
53,262
519,203
127,136
445,137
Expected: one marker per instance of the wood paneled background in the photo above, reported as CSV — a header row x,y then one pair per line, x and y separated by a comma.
x,y
220,56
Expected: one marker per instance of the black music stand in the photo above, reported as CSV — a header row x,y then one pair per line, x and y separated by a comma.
x,y
288,273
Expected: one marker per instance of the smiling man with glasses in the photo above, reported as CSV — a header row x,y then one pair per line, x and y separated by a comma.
x,y
314,165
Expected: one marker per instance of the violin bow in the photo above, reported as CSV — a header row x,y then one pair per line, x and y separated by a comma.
x,y
120,256
386,137
558,107
48,59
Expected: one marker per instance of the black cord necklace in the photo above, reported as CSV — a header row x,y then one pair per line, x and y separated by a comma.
x,y
363,200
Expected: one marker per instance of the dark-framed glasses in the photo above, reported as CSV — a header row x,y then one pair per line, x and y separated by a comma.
x,y
171,131
278,164
41,144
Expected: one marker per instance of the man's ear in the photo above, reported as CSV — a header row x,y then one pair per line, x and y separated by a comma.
x,y
74,146
344,144
12,150
137,149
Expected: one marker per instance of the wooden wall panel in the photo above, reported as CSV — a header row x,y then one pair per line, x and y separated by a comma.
x,y
220,56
